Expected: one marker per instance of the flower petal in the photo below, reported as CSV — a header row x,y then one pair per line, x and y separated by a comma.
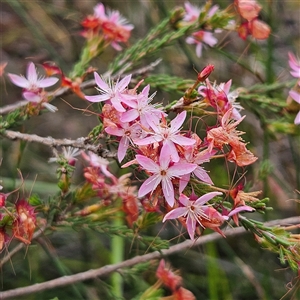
x,y
177,122
101,83
179,169
297,119
122,85
147,163
168,190
240,209
295,96
32,97
114,130
191,226
184,180
175,213
203,199
19,80
184,200
31,73
148,140
165,157
202,175
182,140
116,102
46,82
149,185
123,146
170,153
97,98
129,115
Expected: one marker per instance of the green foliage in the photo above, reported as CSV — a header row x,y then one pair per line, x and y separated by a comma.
x,y
12,120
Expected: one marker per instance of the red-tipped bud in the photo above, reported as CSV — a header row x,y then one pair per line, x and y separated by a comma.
x,y
205,73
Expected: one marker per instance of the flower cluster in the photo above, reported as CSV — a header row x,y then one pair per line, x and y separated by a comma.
x,y
167,154
111,26
109,188
33,87
173,282
295,72
249,10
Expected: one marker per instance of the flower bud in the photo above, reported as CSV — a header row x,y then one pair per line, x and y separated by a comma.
x,y
205,73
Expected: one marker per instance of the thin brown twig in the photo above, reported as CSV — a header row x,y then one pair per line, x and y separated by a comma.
x,y
66,280
80,143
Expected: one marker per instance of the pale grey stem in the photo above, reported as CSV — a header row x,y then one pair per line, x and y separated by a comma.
x,y
8,108
79,143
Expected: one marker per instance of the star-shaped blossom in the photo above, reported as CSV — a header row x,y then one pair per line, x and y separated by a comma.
x,y
162,173
110,24
32,83
140,108
192,12
200,38
168,135
68,153
193,211
110,91
128,134
117,29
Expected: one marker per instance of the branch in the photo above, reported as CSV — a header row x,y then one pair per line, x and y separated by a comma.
x,y
66,280
8,108
80,143
87,84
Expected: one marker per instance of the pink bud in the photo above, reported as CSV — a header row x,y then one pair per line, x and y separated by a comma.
x,y
205,72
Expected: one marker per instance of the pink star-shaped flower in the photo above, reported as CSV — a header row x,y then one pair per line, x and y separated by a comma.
x,y
201,37
32,83
163,173
110,91
168,135
193,211
128,134
192,12
141,108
